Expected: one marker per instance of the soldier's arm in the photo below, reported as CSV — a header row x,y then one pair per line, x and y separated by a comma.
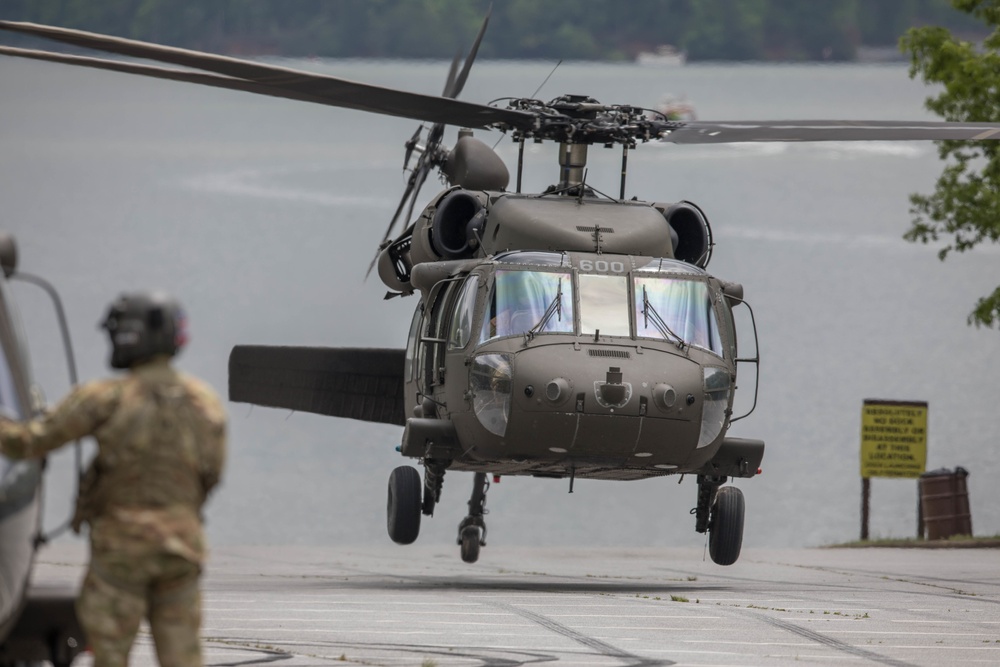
x,y
79,414
215,459
212,442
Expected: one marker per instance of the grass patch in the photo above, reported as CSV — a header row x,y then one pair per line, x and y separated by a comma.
x,y
954,542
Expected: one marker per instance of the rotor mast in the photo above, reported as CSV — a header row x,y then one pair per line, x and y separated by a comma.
x,y
572,163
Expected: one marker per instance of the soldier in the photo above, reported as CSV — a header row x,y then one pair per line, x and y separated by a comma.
x,y
161,448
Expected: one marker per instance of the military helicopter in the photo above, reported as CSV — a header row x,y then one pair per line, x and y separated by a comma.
x,y
560,334
36,622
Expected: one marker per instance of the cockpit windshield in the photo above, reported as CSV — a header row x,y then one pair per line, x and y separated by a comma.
x,y
521,300
604,305
673,308
666,301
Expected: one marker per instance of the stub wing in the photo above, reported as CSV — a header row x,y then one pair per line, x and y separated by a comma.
x,y
357,383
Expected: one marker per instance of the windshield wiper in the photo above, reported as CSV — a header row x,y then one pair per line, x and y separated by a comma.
x,y
649,313
554,307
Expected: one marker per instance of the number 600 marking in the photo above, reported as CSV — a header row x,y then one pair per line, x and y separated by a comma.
x,y
602,265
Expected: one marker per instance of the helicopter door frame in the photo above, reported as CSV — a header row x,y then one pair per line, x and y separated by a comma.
x,y
431,346
755,360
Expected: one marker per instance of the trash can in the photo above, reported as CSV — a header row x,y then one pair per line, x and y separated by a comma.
x,y
944,504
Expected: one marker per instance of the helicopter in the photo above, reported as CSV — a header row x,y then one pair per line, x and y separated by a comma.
x,y
37,620
558,334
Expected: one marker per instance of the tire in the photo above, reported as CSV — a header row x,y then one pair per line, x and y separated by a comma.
x,y
470,544
403,508
726,529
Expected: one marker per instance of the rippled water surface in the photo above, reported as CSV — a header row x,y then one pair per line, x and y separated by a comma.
x,y
262,216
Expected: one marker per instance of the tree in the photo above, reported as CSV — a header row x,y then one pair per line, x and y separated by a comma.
x,y
966,201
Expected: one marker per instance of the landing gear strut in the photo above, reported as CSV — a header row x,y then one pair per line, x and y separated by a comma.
x,y
433,481
472,529
720,513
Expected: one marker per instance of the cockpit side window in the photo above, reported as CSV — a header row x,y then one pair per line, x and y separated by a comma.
x,y
412,341
676,308
465,311
522,301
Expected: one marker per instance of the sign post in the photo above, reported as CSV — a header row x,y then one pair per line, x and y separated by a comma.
x,y
893,444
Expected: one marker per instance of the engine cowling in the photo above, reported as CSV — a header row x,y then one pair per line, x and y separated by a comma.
x,y
454,224
449,228
690,232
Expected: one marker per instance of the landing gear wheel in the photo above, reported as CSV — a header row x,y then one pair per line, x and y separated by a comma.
x,y
725,533
403,508
470,540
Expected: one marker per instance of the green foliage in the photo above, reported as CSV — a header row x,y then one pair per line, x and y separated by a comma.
x,y
965,205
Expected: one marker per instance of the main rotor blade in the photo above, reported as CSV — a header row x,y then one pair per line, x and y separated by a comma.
x,y
213,80
410,185
333,91
699,132
421,176
452,73
458,84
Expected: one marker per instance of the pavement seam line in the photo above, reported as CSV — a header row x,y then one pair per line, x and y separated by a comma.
x,y
590,642
831,642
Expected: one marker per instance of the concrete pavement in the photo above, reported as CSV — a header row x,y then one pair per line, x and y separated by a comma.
x,y
421,605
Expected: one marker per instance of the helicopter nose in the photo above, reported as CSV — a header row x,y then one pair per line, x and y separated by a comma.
x,y
564,379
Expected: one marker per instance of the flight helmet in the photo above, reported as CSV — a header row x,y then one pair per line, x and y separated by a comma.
x,y
143,325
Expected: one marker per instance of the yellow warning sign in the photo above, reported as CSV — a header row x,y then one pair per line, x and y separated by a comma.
x,y
893,438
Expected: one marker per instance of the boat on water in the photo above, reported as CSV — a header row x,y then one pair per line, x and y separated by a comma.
x,y
665,55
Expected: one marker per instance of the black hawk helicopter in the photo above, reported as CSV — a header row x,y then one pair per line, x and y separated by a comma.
x,y
564,333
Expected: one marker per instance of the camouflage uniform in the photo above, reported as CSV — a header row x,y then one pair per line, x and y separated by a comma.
x,y
161,448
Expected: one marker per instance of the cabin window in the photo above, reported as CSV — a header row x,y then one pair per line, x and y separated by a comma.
x,y
412,340
672,308
465,311
523,301
604,305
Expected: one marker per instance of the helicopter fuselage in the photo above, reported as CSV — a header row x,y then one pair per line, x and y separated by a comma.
x,y
589,351
555,335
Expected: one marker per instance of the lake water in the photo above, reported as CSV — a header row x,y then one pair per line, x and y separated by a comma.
x,y
261,215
